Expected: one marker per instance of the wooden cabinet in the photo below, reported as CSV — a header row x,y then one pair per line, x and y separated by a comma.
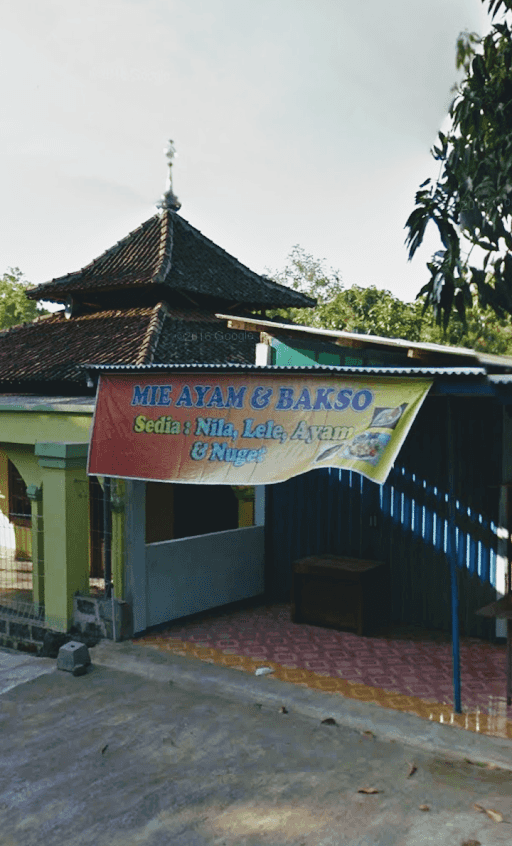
x,y
340,593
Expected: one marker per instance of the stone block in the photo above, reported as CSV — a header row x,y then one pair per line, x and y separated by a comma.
x,y
37,633
88,633
19,630
74,658
85,606
92,618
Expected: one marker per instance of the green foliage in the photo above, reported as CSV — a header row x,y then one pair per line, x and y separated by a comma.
x,y
471,202
15,308
309,275
482,330
466,50
371,311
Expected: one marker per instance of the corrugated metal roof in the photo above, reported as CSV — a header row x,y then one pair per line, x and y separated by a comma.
x,y
36,402
489,359
274,368
375,340
500,378
403,343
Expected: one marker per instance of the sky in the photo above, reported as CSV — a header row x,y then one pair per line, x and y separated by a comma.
x,y
302,122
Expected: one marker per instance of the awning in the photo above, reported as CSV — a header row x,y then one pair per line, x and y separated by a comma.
x,y
250,428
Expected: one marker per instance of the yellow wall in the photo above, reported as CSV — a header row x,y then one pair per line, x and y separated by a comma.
x,y
64,505
25,461
28,427
245,496
4,483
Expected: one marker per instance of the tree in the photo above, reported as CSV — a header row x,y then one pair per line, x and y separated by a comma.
x,y
372,311
310,276
471,202
481,330
15,307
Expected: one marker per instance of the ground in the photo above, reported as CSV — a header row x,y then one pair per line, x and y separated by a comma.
x,y
114,758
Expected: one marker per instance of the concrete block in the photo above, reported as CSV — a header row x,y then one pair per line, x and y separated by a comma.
x,y
73,657
92,618
19,631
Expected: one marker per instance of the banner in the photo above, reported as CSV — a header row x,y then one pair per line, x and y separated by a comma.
x,y
252,429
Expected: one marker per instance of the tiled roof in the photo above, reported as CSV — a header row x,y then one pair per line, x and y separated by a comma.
x,y
199,341
166,250
51,349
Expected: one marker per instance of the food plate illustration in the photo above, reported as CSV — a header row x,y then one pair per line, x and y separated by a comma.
x,y
366,447
388,417
327,453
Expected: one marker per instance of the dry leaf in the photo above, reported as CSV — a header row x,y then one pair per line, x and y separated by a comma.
x,y
368,790
471,843
494,815
424,807
329,721
283,710
412,769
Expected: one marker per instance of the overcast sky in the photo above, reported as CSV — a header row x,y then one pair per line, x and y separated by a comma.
x,y
295,121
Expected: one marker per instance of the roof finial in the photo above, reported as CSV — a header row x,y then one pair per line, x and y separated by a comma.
x,y
169,200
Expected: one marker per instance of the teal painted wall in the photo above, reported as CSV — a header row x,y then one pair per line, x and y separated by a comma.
x,y
293,355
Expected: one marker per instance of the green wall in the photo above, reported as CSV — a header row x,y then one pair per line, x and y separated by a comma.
x,y
49,448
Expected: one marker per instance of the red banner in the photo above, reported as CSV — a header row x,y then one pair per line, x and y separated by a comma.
x,y
249,429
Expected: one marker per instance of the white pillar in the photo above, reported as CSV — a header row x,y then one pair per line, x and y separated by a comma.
x,y
263,354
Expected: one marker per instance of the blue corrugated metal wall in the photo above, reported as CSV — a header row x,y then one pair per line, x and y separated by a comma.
x,y
405,520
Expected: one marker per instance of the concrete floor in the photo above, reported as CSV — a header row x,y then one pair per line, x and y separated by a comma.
x,y
156,756
19,667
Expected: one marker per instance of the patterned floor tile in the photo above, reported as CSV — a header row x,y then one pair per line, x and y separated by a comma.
x,y
408,670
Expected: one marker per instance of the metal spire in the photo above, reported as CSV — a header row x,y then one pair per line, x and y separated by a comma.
x,y
169,201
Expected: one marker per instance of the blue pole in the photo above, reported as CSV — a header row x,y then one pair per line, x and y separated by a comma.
x,y
452,555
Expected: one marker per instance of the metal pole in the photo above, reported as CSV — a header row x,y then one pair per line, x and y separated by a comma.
x,y
107,537
508,584
113,615
452,555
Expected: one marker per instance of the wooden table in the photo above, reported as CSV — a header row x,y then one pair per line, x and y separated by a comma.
x,y
340,592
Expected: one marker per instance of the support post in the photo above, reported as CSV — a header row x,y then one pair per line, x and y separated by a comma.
x,y
66,524
35,495
452,555
502,555
117,511
136,582
107,538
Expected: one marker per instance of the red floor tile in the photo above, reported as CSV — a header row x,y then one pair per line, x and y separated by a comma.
x,y
409,662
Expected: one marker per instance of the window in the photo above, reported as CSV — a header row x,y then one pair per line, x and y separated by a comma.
x,y
20,512
182,511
